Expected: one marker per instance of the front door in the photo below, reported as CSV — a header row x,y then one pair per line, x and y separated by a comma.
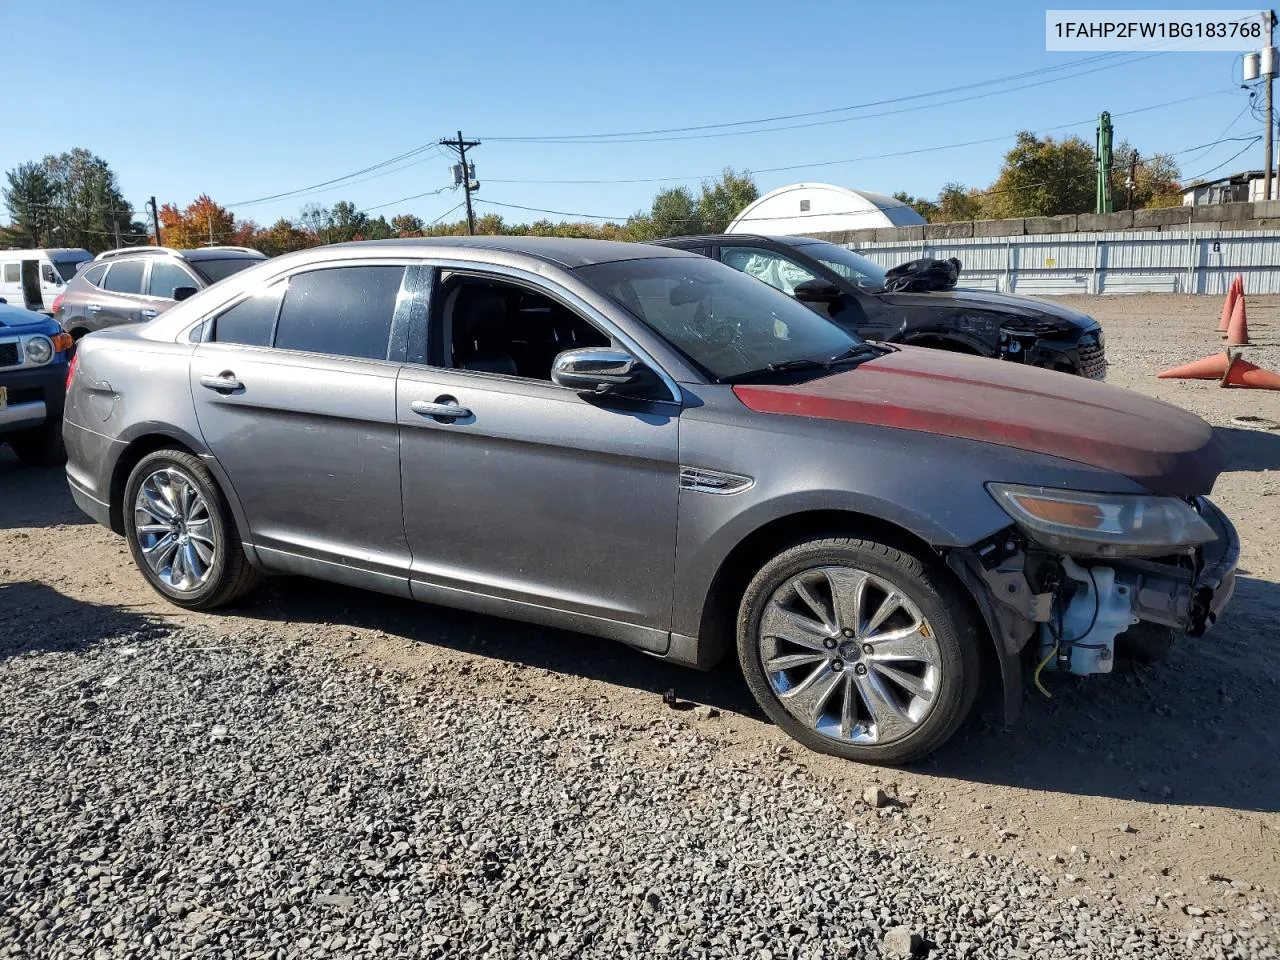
x,y
296,399
524,491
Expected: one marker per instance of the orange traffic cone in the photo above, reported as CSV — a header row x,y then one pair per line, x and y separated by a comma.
x,y
1242,373
1238,328
1233,293
1212,367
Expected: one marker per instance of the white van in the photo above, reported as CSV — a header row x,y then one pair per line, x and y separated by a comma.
x,y
33,278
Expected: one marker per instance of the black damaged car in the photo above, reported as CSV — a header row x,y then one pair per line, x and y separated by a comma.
x,y
852,291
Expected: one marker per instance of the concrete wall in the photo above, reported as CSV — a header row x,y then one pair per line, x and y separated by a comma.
x,y
1262,215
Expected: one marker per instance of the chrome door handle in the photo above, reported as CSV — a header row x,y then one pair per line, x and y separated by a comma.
x,y
148,313
225,381
95,307
442,409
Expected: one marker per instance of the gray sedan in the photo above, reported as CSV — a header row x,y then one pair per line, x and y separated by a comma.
x,y
649,446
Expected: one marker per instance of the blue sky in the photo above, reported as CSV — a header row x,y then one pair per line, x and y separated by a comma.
x,y
241,100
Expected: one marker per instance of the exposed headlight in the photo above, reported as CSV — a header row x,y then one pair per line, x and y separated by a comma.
x,y
1103,524
39,349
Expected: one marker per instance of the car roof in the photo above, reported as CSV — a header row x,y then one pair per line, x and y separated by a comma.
x,y
221,253
719,238
566,251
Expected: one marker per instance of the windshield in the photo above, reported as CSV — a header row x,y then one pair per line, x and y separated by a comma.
x,y
67,268
215,270
723,321
862,272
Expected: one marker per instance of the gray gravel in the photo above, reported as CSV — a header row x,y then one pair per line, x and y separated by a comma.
x,y
184,794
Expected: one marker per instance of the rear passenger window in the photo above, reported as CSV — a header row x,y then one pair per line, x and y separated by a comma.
x,y
167,277
345,311
250,321
12,273
124,277
94,274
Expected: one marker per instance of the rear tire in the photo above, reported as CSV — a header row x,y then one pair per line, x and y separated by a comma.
x,y
859,650
40,446
181,532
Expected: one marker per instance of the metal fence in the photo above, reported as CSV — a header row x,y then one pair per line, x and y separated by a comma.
x,y
1165,261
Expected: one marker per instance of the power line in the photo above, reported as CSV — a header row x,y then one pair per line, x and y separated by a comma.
x,y
877,156
336,180
612,137
456,206
416,196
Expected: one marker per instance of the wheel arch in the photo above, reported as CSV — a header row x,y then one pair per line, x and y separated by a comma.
x,y
953,342
147,441
719,614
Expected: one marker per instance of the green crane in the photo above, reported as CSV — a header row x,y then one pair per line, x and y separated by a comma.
x,y
1104,204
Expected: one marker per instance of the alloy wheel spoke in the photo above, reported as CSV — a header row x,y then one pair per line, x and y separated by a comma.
x,y
201,530
783,624
191,561
152,503
152,529
204,551
907,681
849,710
890,605
889,719
905,644
159,552
807,700
848,590
177,569
164,487
790,661
819,609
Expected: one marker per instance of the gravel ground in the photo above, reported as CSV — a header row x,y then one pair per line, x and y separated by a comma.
x,y
331,773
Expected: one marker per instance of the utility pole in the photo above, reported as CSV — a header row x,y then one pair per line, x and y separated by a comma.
x,y
115,226
464,173
1104,204
1133,179
155,220
211,229
1269,71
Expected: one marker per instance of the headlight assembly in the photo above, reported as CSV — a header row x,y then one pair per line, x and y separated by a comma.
x,y
1103,524
39,349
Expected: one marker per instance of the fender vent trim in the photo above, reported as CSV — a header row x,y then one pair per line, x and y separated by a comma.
x,y
713,481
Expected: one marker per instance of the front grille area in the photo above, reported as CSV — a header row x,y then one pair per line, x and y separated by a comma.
x,y
1093,357
9,354
25,395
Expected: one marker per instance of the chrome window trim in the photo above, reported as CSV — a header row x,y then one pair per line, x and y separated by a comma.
x,y
545,284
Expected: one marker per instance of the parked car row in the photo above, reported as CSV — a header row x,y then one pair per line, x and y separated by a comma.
x,y
851,290
33,370
514,425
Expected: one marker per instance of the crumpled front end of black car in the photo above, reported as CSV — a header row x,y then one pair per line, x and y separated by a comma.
x,y
1054,346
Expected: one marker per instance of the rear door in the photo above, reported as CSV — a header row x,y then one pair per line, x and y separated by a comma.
x,y
296,398
119,299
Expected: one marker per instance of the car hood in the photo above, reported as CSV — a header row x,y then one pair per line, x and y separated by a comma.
x,y
1162,447
961,299
14,320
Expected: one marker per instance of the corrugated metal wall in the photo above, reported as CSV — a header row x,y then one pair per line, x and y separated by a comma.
x,y
1166,261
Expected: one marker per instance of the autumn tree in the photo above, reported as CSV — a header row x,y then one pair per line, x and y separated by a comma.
x,y
407,225
202,224
281,237
1156,179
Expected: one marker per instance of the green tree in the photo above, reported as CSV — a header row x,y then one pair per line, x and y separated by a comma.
x,y
347,221
1157,182
722,200
958,202
672,213
30,199
1043,177
69,200
282,237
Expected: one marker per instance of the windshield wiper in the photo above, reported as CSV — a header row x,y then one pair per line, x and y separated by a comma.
x,y
855,354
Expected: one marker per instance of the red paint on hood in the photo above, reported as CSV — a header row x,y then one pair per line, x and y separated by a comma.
x,y
1162,447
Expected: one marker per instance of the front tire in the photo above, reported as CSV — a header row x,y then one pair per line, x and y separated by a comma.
x,y
859,650
181,533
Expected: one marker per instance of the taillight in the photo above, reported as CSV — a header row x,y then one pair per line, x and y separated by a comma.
x,y
57,305
71,369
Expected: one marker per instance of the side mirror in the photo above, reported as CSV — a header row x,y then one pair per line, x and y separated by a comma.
x,y
602,370
817,291
182,293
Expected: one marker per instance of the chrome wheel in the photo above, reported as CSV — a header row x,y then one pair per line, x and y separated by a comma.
x,y
174,529
849,655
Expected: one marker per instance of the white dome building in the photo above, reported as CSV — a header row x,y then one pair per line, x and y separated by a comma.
x,y
804,208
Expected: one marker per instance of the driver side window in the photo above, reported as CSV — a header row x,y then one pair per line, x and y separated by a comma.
x,y
493,326
774,269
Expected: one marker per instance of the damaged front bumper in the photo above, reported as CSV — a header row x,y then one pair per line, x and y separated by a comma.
x,y
1019,589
